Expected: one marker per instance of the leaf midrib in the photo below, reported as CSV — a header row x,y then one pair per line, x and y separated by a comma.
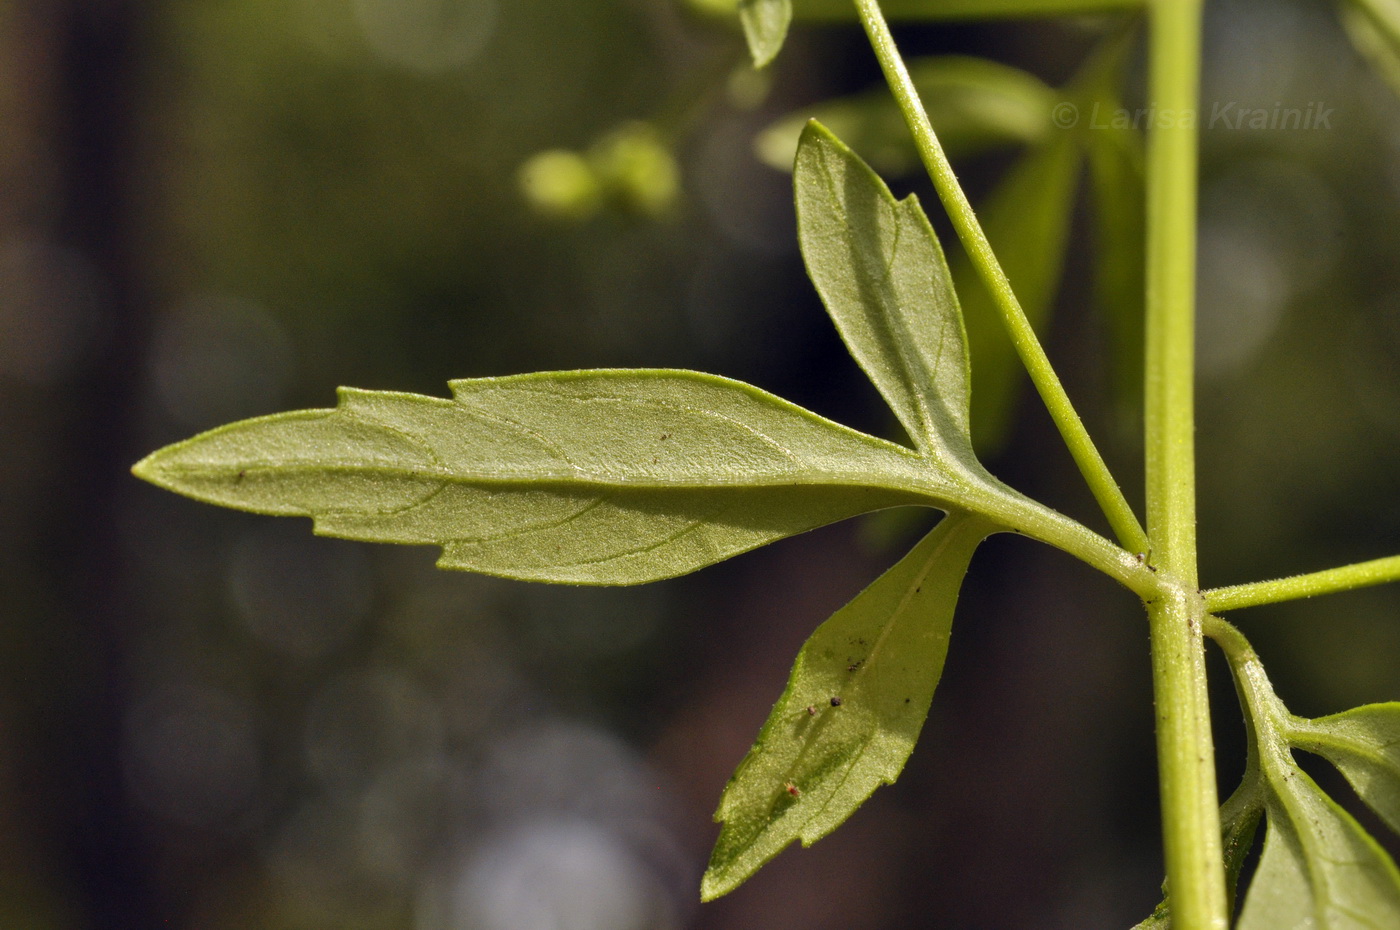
x,y
913,484
896,616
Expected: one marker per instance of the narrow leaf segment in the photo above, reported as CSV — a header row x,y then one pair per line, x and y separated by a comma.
x,y
852,710
1318,863
629,476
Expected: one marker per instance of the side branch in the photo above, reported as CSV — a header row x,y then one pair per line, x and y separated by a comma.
x,y
1345,578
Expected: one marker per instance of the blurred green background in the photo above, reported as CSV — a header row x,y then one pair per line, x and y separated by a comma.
x,y
210,720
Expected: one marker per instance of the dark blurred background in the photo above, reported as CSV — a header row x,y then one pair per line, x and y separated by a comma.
x,y
210,720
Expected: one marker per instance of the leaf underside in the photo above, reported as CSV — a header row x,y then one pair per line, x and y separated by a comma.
x,y
852,710
1319,868
630,476
623,477
863,682
594,477
1364,744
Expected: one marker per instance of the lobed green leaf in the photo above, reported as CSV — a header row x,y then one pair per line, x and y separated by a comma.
x,y
882,276
975,105
765,25
1364,744
588,477
852,710
1320,870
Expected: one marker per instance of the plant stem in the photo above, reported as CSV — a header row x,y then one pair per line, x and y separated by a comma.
x,y
1345,578
1101,482
1171,283
1185,749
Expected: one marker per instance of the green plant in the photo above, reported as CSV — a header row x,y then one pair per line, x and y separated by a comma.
x,y
624,477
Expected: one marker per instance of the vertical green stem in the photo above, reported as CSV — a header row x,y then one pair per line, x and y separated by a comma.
x,y
1185,749
1171,285
1086,455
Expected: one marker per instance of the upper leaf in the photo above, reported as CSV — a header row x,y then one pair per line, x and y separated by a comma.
x,y
590,477
880,272
975,104
765,27
1364,743
851,712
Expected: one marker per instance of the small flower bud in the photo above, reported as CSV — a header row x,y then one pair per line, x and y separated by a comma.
x,y
560,184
